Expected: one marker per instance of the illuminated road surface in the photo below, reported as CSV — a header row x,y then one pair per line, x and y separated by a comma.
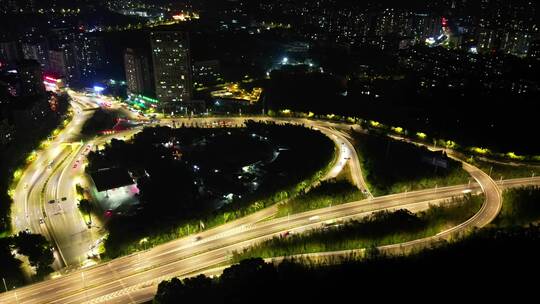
x,y
119,279
133,278
44,200
31,209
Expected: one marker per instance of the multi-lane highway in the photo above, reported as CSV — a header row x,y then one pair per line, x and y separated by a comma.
x,y
44,200
119,279
36,206
133,278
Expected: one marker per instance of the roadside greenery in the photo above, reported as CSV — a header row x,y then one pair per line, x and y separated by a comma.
x,y
22,151
326,194
172,207
490,252
86,208
100,120
414,135
378,229
391,166
502,171
35,247
521,206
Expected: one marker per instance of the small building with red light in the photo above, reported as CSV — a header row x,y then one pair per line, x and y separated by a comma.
x,y
114,188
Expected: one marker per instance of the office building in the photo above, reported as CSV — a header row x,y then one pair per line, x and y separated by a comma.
x,y
90,55
206,72
172,66
138,74
63,63
31,78
9,52
38,50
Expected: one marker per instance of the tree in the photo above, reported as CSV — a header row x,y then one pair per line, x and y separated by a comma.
x,y
38,250
79,189
9,266
86,207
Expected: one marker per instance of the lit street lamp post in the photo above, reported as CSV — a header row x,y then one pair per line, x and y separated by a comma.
x,y
143,242
5,285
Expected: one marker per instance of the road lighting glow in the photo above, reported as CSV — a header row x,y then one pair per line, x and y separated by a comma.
x,y
98,89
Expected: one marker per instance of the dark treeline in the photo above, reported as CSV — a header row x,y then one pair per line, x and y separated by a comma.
x,y
172,164
392,166
35,247
12,156
520,207
472,114
471,268
101,120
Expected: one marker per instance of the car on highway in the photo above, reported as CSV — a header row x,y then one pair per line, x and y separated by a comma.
x,y
51,202
197,238
41,220
64,199
76,164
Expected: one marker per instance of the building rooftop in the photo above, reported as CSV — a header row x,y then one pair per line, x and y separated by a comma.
x,y
111,178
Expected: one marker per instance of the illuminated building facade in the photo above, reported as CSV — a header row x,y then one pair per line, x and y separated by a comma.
x,y
172,66
63,63
31,78
138,75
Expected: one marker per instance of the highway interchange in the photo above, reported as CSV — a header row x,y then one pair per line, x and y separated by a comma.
x,y
133,279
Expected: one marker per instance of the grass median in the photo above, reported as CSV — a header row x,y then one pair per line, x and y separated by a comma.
x,y
326,194
378,229
390,166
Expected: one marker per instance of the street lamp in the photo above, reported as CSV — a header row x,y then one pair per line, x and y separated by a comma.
x,y
98,89
143,242
5,285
